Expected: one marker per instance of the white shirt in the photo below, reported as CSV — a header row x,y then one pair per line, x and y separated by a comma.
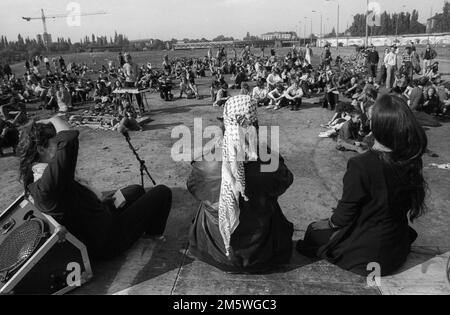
x,y
293,91
273,79
391,59
259,94
131,72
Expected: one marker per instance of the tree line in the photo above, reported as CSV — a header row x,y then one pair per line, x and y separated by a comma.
x,y
391,24
442,20
25,48
402,23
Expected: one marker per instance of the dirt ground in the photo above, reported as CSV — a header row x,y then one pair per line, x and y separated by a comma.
x,y
318,168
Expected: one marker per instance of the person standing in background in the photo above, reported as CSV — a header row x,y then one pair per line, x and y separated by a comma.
x,y
373,60
382,73
166,65
47,63
428,57
55,64
27,65
210,53
121,60
326,58
390,62
7,71
407,63
62,63
132,77
308,54
64,99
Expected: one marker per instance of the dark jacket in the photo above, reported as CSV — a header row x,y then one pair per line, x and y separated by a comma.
x,y
263,238
373,57
416,98
429,54
372,217
58,193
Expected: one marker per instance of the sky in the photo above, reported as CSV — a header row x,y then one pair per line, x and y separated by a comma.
x,y
167,19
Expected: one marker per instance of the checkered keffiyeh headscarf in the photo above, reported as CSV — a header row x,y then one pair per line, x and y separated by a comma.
x,y
239,117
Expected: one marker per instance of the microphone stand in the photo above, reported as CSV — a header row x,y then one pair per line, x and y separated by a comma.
x,y
143,167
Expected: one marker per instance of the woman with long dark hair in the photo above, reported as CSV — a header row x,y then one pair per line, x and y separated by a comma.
x,y
383,188
48,152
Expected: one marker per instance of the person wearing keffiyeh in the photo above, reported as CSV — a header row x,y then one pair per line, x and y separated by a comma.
x,y
240,226
239,118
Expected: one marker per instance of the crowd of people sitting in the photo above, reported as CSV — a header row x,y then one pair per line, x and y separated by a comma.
x,y
240,226
424,91
400,74
349,87
281,81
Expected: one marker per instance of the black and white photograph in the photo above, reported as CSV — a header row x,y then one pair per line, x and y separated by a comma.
x,y
224,154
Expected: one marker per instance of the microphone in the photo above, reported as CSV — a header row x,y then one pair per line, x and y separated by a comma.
x,y
124,130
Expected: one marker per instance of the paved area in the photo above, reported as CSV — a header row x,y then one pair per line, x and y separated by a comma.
x,y
166,267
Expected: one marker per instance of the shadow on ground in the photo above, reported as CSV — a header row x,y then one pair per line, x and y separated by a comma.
x,y
149,259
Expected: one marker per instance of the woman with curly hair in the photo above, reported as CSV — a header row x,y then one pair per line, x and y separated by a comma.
x,y
48,152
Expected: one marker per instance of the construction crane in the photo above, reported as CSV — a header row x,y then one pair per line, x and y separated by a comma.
x,y
44,18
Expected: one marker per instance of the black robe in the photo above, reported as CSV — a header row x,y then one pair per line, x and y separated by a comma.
x,y
263,238
372,216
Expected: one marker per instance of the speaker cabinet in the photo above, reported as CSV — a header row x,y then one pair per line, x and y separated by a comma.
x,y
38,255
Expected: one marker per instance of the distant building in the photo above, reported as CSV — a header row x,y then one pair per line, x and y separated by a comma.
x,y
431,22
143,42
202,45
383,40
39,39
47,38
280,36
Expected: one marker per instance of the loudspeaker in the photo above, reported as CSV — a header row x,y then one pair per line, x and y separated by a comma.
x,y
38,255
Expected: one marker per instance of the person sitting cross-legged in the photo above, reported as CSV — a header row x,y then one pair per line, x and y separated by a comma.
x,y
260,94
222,96
348,137
276,97
293,96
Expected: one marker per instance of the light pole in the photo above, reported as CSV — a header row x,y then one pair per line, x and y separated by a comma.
x,y
337,26
300,33
304,28
321,28
367,24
